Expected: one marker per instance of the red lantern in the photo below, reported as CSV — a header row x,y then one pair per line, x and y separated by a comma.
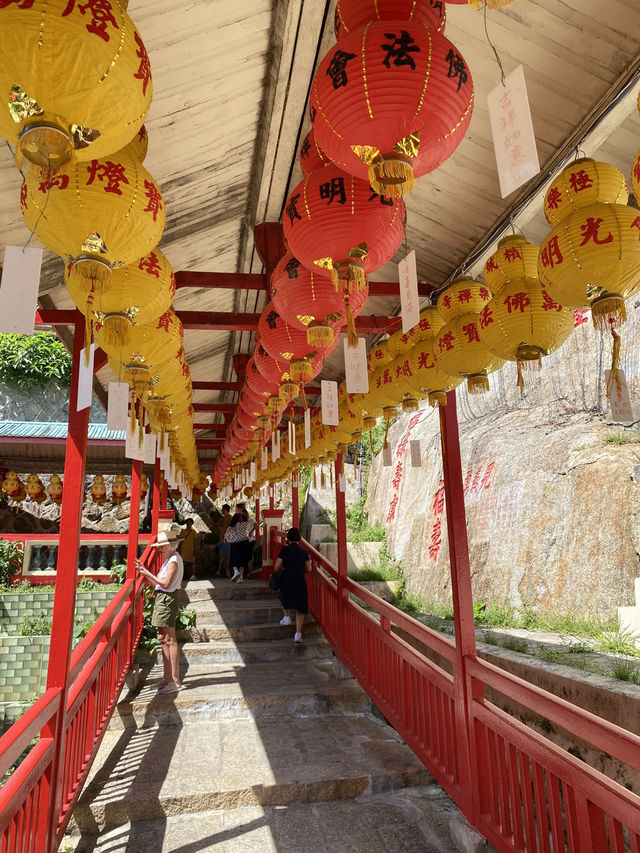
x,y
283,343
391,102
334,222
258,385
351,15
311,155
269,368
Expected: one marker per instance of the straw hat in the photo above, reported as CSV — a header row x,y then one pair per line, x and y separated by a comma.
x,y
168,536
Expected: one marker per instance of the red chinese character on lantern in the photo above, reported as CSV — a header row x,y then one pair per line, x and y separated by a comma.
x,y
150,265
163,321
424,361
378,354
464,295
471,331
636,224
22,4
579,181
403,369
548,304
579,318
486,480
446,301
512,254
438,501
491,265
112,173
424,324
484,294
590,231
551,254
436,541
517,302
144,70
554,197
59,181
446,342
386,377
101,12
154,205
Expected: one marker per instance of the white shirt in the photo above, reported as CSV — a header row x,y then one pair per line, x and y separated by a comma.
x,y
177,581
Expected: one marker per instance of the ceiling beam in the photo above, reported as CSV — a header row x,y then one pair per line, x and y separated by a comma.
x,y
216,386
215,407
219,429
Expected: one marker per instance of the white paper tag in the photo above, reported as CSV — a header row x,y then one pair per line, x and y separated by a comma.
x,y
264,460
85,379
355,367
149,449
134,448
117,405
275,445
619,399
416,454
329,402
386,456
19,290
307,428
514,141
292,438
409,303
253,472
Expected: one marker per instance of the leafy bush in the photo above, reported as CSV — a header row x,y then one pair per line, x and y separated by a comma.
x,y
32,361
35,625
10,560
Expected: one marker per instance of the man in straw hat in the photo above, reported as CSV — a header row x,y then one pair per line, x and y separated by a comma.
x,y
165,605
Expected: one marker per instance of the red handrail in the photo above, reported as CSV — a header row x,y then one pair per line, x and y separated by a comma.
x,y
99,665
527,793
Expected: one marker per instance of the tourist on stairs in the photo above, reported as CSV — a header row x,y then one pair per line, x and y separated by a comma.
x,y
165,605
295,563
187,549
238,536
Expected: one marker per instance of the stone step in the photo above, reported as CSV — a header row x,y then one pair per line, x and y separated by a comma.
x,y
414,820
263,651
206,633
233,691
224,589
233,613
149,773
271,631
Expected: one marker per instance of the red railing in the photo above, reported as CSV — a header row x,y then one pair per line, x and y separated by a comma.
x,y
98,667
521,791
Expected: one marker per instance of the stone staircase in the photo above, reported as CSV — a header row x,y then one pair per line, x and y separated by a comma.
x,y
265,749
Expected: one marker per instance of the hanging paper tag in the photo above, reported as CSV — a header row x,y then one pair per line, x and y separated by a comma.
x,y
329,402
292,438
134,448
149,448
265,459
409,303
117,405
254,472
342,484
416,455
355,367
514,141
307,428
275,445
85,379
619,399
19,290
386,456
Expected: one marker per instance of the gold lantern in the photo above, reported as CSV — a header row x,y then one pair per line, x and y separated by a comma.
x,y
13,487
425,377
514,258
99,216
54,489
591,256
75,79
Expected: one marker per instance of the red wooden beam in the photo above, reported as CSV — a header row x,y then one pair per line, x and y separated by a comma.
x,y
219,429
216,386
240,361
221,280
229,408
268,238
209,443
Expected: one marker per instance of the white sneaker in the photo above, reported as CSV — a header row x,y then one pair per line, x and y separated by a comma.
x,y
286,620
297,638
240,578
236,575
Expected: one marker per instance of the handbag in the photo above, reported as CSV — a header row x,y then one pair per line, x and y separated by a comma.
x,y
275,580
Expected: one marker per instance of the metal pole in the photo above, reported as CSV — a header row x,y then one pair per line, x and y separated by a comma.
x,y
64,600
461,590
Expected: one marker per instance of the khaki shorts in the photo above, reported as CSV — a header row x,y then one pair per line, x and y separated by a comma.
x,y
165,610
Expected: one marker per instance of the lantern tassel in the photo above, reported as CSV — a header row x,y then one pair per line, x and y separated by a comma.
x,y
132,412
608,311
90,274
520,382
437,398
303,397
478,384
392,175
116,329
320,334
352,335
141,427
614,376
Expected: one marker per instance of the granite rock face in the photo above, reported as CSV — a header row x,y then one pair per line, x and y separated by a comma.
x,y
552,502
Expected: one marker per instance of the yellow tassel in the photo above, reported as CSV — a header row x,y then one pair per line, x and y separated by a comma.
x,y
320,334
350,273
392,175
437,398
90,273
300,370
614,375
530,356
303,397
478,384
409,404
608,311
492,4
352,335
116,329
520,382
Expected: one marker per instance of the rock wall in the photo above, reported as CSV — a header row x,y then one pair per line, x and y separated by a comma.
x,y
552,507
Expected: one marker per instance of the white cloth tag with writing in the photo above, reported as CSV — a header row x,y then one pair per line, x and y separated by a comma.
x,y
19,290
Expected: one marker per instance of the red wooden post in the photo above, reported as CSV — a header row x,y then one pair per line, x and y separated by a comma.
x,y
164,502
295,506
155,509
272,498
258,508
64,601
462,592
341,524
134,519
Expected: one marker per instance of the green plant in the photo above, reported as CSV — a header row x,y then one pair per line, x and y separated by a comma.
x,y
545,725
625,671
389,573
619,643
89,583
119,573
33,625
32,361
10,560
621,438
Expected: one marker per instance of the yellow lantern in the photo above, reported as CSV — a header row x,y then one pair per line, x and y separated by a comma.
x,y
35,489
98,490
75,79
54,489
139,145
149,345
522,323
460,352
429,325
13,487
591,257
462,296
514,258
137,294
99,216
425,378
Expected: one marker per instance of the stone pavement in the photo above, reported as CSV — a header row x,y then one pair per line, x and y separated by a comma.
x,y
264,750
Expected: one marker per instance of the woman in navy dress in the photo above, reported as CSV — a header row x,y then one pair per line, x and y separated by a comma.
x,y
295,562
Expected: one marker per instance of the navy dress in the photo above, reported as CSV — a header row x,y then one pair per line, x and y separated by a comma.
x,y
293,589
